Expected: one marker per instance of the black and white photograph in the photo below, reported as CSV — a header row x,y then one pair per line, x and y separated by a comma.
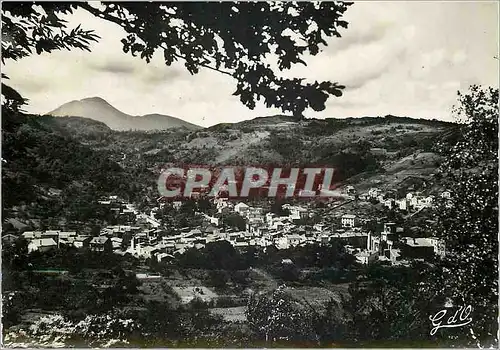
x,y
252,174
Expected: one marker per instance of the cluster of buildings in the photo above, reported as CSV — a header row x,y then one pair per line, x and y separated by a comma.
x,y
43,241
147,239
393,247
412,201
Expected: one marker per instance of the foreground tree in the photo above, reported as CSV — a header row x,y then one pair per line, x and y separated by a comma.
x,y
391,307
395,303
468,221
278,317
235,39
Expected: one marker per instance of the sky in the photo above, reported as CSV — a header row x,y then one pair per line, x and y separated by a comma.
x,y
399,58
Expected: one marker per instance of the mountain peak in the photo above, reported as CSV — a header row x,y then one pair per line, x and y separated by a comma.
x,y
94,99
99,109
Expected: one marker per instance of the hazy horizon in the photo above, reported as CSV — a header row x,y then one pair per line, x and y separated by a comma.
x,y
405,59
262,116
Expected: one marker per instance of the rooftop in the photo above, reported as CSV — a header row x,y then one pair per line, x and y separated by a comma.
x,y
348,216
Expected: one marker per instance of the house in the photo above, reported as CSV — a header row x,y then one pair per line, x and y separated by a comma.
x,y
41,245
233,236
220,203
163,257
348,220
51,234
253,226
365,257
374,192
418,248
241,208
29,235
270,217
193,233
146,252
297,213
211,219
373,243
389,203
294,240
116,243
101,244
350,190
352,250
81,241
66,241
394,255
255,213
402,204
364,197
446,195
414,201
376,151
427,201
281,242
169,248
354,238
67,235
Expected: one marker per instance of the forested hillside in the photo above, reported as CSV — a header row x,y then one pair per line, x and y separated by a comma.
x,y
48,175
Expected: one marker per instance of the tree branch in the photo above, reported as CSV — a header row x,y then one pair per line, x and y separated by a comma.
x,y
130,29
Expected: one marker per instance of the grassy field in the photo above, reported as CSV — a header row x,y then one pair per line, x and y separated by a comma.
x,y
231,314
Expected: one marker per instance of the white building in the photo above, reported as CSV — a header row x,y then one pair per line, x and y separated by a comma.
x,y
365,257
297,213
350,190
294,239
446,195
389,203
348,220
41,244
402,204
374,192
241,208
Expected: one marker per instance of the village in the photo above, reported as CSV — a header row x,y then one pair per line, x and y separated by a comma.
x,y
146,238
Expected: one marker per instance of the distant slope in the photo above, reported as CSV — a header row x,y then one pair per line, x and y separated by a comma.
x,y
100,110
378,149
47,173
76,126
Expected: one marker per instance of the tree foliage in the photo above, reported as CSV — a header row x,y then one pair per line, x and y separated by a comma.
x,y
236,39
468,222
278,317
390,305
